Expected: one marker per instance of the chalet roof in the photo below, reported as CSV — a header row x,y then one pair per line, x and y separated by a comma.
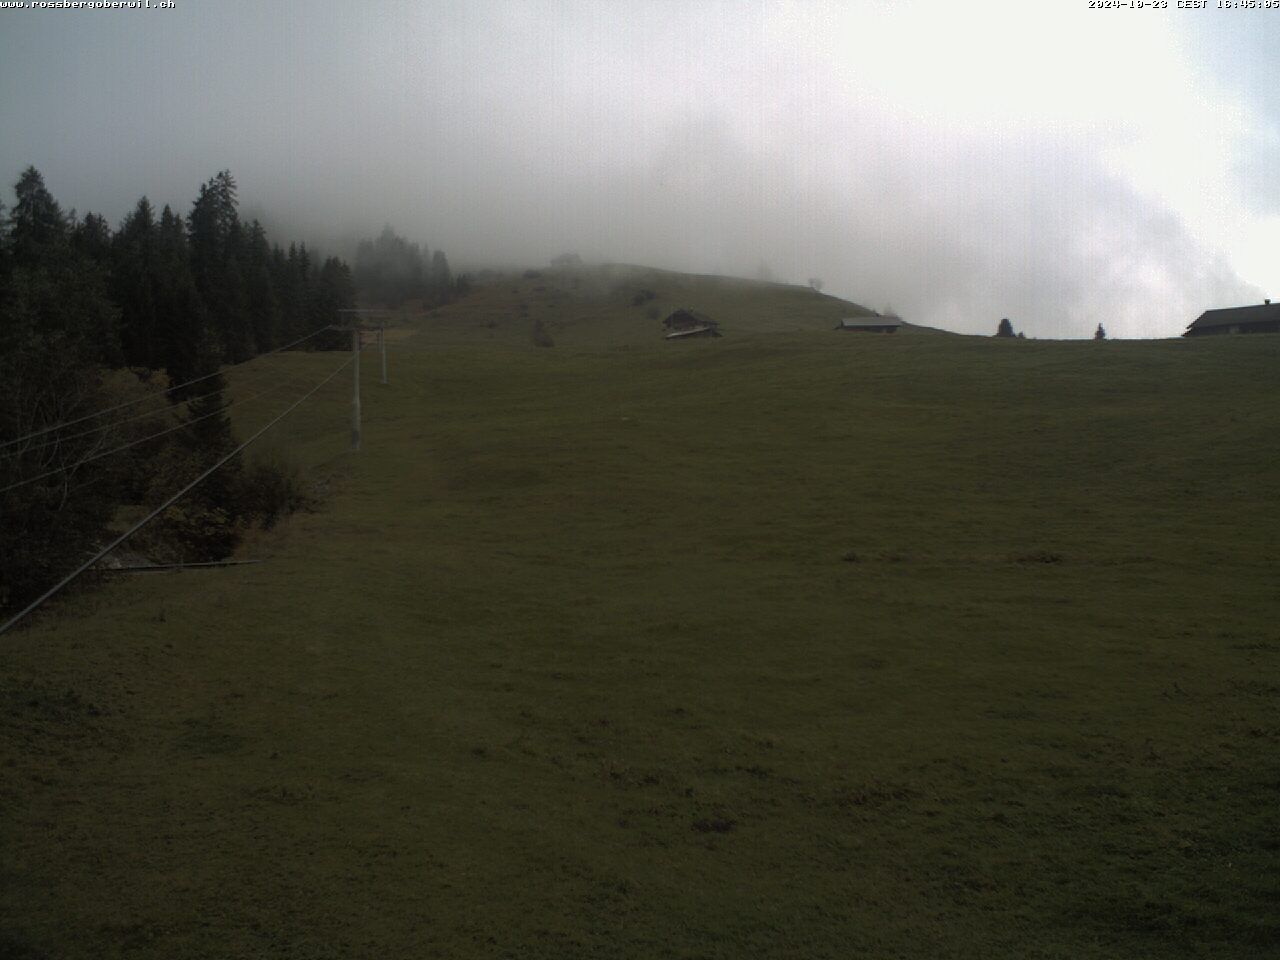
x,y
1229,316
855,322
692,331
683,317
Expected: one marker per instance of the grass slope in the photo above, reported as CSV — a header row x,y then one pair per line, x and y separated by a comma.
x,y
793,644
594,307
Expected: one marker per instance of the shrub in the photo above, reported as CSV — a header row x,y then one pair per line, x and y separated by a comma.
x,y
271,487
53,521
208,523
200,526
193,531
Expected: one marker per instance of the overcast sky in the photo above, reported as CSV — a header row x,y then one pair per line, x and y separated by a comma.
x,y
961,162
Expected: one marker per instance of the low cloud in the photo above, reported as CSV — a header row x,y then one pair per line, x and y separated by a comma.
x,y
962,171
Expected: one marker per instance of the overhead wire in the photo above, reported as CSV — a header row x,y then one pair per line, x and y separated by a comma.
x,y
159,412
133,443
164,506
292,382
130,403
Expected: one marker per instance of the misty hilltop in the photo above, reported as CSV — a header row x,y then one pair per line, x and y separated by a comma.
x,y
620,305
947,161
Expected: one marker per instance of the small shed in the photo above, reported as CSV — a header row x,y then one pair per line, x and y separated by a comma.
x,y
1259,318
870,324
684,324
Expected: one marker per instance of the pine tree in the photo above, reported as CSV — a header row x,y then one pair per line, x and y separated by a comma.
x,y
54,290
57,328
390,270
216,238
4,256
1100,334
92,237
263,309
441,277
37,227
180,312
300,284
332,290
1005,329
135,277
233,303
282,285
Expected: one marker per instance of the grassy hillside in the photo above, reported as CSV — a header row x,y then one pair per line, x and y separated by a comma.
x,y
595,307
790,643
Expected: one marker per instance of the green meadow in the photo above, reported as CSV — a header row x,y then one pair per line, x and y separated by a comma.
x,y
793,643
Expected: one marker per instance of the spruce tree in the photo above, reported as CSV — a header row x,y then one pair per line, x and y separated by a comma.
x,y
135,277
179,309
441,277
263,309
92,237
57,328
232,304
302,291
37,227
56,292
216,238
282,273
390,270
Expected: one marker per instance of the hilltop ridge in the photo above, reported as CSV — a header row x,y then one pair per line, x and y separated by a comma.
x,y
617,304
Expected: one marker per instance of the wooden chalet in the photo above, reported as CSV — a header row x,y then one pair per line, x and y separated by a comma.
x,y
685,324
870,324
1260,318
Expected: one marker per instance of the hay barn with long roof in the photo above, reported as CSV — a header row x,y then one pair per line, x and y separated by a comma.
x,y
1259,318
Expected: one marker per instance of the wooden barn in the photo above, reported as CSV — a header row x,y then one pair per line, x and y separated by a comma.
x,y
685,324
870,324
1260,318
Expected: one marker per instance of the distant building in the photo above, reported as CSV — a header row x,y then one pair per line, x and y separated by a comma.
x,y
684,324
870,324
1260,318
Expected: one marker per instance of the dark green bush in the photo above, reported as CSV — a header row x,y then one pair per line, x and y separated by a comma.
x,y
271,487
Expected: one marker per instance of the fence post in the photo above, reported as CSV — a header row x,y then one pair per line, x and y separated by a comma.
x,y
355,393
382,347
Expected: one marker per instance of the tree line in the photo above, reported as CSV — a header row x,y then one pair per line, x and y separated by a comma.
x,y
390,270
169,298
